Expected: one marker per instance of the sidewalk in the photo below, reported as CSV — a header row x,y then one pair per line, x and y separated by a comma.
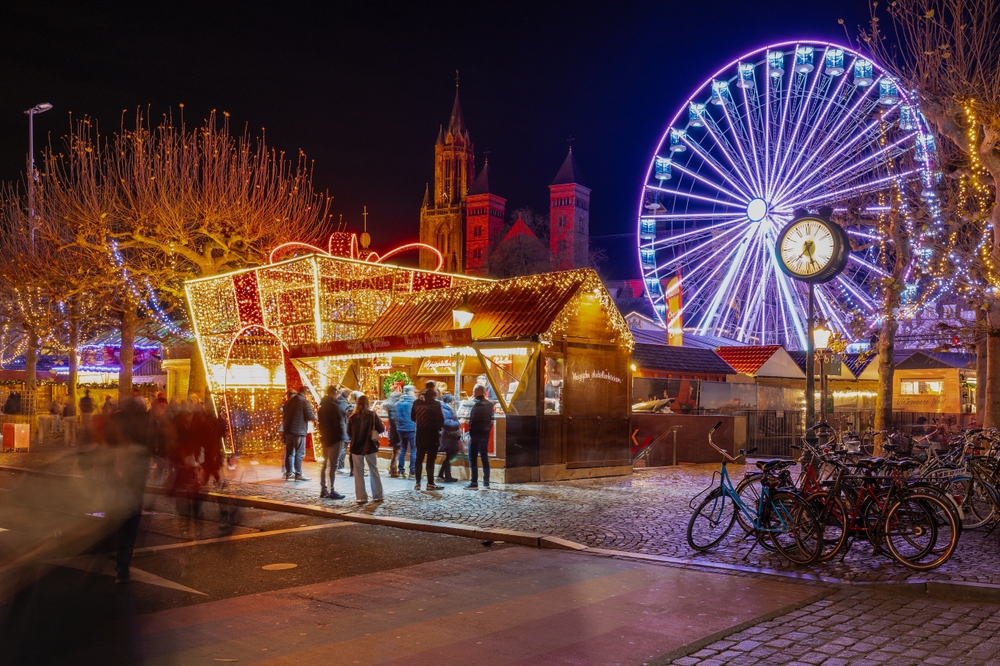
x,y
644,514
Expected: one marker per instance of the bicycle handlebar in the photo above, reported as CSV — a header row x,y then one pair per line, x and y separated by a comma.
x,y
715,446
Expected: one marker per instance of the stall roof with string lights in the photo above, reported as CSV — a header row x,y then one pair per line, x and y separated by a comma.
x,y
320,319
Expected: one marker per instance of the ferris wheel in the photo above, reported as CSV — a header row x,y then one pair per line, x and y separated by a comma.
x,y
794,126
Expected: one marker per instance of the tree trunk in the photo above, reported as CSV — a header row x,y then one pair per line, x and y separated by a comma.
x,y
31,361
886,370
991,410
126,356
74,357
981,373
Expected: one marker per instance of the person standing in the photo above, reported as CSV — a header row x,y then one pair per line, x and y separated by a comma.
x,y
480,424
407,429
69,423
364,427
295,416
451,433
128,438
87,415
390,410
331,432
108,407
429,419
55,411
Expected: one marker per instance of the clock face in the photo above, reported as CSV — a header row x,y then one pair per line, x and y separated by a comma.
x,y
808,247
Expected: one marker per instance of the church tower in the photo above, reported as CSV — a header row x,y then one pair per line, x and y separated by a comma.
x,y
443,210
569,217
484,215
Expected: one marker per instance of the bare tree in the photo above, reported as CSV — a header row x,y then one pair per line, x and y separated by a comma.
x,y
948,53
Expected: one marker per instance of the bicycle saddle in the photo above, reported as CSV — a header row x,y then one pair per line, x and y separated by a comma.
x,y
903,464
889,446
870,463
777,463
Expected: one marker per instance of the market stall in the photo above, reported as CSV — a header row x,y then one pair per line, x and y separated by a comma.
x,y
552,350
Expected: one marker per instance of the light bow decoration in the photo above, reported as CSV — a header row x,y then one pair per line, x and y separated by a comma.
x,y
345,244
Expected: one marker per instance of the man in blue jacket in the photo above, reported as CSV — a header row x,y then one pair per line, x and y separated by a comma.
x,y
407,429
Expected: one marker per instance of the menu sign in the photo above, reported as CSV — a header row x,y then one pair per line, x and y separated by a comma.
x,y
384,345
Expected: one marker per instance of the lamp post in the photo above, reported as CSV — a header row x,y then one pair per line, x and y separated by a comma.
x,y
31,113
821,340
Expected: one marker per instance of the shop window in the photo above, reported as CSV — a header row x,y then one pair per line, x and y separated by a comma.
x,y
553,385
921,387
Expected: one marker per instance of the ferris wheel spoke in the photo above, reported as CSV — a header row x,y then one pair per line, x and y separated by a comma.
x,y
848,151
687,253
692,195
728,151
792,306
687,235
743,265
803,110
751,128
691,216
741,137
722,292
708,182
834,132
782,124
717,167
856,189
863,298
852,168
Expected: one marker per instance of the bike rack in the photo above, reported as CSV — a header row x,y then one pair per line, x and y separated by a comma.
x,y
643,452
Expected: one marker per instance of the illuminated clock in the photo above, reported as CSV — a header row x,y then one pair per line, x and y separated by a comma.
x,y
812,249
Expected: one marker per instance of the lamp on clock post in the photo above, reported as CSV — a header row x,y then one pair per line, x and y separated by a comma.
x,y
812,249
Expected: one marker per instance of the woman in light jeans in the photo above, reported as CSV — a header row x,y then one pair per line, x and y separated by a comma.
x,y
361,425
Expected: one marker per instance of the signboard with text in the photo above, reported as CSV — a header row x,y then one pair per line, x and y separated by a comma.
x,y
384,345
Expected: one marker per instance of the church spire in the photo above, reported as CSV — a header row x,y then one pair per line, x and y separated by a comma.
x,y
456,125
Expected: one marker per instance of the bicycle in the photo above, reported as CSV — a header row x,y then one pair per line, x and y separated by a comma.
x,y
781,517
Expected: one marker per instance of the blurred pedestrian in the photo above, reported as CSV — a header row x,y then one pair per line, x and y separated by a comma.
x,y
55,412
364,427
451,434
69,423
296,413
390,410
108,406
332,428
480,424
128,438
87,415
429,419
407,429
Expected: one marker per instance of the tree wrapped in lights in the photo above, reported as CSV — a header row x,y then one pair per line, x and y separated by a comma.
x,y
168,202
948,53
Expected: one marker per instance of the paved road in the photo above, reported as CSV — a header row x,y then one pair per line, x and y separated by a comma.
x,y
346,593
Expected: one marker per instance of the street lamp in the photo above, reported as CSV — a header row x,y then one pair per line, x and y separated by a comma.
x,y
32,175
821,341
461,316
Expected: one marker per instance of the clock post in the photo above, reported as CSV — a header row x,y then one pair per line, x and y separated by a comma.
x,y
812,249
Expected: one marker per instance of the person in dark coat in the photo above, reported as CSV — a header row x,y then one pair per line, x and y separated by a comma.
x,y
345,410
361,425
429,418
480,424
451,434
295,416
331,432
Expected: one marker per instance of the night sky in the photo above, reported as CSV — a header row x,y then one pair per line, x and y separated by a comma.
x,y
362,87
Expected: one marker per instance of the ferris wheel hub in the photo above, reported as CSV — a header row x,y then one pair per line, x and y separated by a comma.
x,y
756,209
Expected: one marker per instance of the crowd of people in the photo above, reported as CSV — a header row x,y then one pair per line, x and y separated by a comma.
x,y
420,426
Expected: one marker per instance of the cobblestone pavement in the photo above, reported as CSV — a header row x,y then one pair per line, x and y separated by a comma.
x,y
852,627
646,512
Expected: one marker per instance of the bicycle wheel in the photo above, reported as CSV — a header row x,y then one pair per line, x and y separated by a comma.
x,y
749,491
711,521
832,513
916,534
978,503
793,528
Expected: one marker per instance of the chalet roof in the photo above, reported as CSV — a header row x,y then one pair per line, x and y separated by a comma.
x,y
686,360
569,172
519,228
519,307
855,363
747,360
927,360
